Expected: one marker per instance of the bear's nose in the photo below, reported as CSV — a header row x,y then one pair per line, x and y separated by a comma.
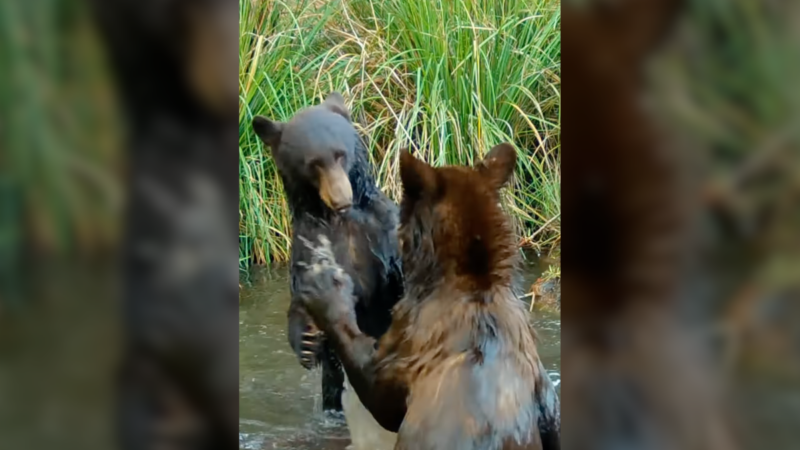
x,y
343,209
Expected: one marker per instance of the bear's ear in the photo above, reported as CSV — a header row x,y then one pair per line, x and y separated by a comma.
x,y
417,176
498,165
335,103
267,130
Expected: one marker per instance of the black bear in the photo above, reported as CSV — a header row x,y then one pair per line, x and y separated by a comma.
x,y
458,367
331,191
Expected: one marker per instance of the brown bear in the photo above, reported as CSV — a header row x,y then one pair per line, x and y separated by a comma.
x,y
458,367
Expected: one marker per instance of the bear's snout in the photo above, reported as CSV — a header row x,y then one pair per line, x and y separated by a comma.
x,y
335,189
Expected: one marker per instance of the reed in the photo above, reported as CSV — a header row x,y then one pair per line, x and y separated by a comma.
x,y
450,78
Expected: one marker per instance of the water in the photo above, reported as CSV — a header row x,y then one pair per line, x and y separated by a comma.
x,y
59,356
279,401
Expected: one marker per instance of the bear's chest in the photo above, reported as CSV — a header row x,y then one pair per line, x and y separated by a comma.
x,y
356,250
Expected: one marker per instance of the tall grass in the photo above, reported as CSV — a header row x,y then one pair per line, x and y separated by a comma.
x,y
450,78
58,131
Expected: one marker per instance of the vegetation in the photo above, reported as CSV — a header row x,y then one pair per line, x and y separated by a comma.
x,y
449,78
457,75
58,132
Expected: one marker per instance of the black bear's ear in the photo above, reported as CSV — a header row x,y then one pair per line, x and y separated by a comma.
x,y
498,165
335,103
417,176
267,130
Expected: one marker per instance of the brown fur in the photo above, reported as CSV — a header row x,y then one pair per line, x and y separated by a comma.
x,y
459,366
470,226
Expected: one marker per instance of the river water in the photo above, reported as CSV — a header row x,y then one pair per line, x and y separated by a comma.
x,y
279,403
59,356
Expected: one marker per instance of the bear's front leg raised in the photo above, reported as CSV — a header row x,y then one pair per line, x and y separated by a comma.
x,y
325,290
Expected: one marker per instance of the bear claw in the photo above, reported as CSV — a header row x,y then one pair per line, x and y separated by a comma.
x,y
308,349
308,359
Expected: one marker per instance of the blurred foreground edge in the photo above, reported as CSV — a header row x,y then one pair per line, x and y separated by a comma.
x,y
176,67
633,377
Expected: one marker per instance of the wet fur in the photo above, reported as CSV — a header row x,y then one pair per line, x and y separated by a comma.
x,y
365,237
458,368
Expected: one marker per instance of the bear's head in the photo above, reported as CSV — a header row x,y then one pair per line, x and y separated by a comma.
x,y
315,150
451,222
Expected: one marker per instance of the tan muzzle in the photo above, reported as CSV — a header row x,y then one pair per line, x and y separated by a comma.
x,y
335,189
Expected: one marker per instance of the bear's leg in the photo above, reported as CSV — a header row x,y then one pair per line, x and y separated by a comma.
x,y
326,293
332,379
386,400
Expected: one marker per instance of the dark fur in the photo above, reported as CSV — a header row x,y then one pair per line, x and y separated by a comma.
x,y
459,367
364,238
177,385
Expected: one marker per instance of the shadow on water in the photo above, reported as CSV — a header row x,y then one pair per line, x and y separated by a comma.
x,y
279,401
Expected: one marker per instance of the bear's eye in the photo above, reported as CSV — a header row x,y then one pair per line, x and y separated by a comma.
x,y
338,155
314,163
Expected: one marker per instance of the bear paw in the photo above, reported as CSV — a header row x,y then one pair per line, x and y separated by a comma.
x,y
305,338
309,347
325,288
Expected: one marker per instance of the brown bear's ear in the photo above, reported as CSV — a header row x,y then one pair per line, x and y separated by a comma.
x,y
335,103
417,176
498,165
267,130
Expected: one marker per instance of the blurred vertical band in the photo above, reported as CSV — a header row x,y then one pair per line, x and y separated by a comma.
x,y
623,232
176,68
679,275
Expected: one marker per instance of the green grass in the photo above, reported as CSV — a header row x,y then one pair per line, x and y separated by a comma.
x,y
58,132
465,75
